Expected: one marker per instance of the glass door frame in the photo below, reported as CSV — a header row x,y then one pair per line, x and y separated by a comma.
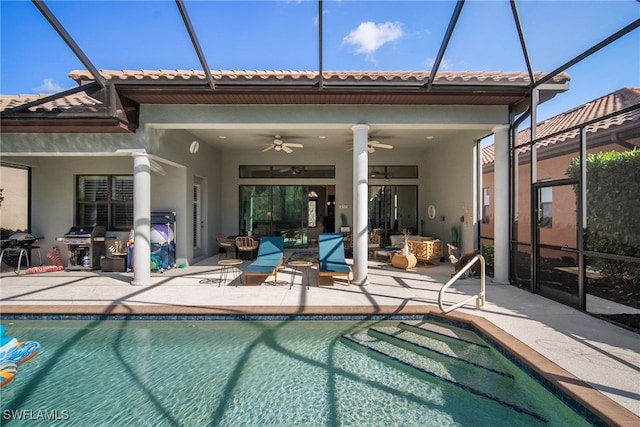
x,y
270,220
537,245
387,214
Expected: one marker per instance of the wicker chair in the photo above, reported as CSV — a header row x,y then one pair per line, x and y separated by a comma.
x,y
246,244
375,241
225,244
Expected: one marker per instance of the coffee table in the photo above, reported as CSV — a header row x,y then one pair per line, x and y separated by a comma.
x,y
385,252
302,267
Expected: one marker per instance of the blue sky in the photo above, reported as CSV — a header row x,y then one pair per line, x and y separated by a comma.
x,y
357,35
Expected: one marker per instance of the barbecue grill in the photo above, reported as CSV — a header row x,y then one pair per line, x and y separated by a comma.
x,y
16,249
85,247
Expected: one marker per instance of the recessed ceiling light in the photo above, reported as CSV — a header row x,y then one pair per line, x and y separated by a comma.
x,y
222,137
322,137
429,137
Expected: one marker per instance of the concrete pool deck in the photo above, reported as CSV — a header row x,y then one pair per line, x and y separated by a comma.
x,y
595,361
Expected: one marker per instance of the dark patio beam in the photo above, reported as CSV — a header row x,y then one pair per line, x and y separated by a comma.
x,y
635,24
445,42
320,77
69,40
523,43
196,43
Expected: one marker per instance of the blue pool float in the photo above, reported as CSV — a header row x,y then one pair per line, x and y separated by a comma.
x,y
7,345
24,351
8,371
12,354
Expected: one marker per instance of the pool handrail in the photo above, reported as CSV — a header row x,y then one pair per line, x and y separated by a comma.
x,y
479,297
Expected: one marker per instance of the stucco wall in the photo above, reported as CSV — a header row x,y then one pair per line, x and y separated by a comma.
x,y
175,190
449,185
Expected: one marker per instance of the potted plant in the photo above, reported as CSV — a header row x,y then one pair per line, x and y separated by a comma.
x,y
345,224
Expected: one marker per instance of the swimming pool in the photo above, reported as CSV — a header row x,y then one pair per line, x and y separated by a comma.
x,y
258,373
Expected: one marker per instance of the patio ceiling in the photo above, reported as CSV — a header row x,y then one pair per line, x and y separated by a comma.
x,y
255,140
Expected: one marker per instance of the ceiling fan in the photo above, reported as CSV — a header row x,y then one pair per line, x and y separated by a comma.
x,y
280,145
294,170
377,144
372,145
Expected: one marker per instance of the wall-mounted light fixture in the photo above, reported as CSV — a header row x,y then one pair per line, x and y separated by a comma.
x,y
194,147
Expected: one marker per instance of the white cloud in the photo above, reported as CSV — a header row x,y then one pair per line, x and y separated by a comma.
x,y
369,36
48,86
444,64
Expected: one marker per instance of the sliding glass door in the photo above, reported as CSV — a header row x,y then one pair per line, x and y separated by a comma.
x,y
275,210
392,208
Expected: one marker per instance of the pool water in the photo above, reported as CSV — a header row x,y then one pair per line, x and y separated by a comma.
x,y
243,373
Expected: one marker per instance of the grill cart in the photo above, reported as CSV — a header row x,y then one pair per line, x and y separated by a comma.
x,y
85,247
16,250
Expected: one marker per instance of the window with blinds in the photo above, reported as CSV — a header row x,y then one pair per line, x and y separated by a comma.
x,y
196,216
104,200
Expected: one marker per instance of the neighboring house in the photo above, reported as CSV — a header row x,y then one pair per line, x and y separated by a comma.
x,y
555,150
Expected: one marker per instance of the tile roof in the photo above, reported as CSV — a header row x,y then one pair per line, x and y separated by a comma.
x,y
488,154
81,109
274,76
79,102
608,104
59,112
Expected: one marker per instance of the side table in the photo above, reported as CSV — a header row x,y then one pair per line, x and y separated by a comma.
x,y
404,261
301,266
228,264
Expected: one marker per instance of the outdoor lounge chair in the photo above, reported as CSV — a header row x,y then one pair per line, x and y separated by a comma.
x,y
332,261
270,258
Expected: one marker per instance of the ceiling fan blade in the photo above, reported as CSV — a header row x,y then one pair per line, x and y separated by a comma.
x,y
371,149
387,146
268,148
292,144
286,149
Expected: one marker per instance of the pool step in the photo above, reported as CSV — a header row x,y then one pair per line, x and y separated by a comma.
x,y
417,355
435,349
443,332
463,343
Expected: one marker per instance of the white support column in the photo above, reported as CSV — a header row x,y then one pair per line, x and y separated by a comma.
x,y
501,205
360,203
141,219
